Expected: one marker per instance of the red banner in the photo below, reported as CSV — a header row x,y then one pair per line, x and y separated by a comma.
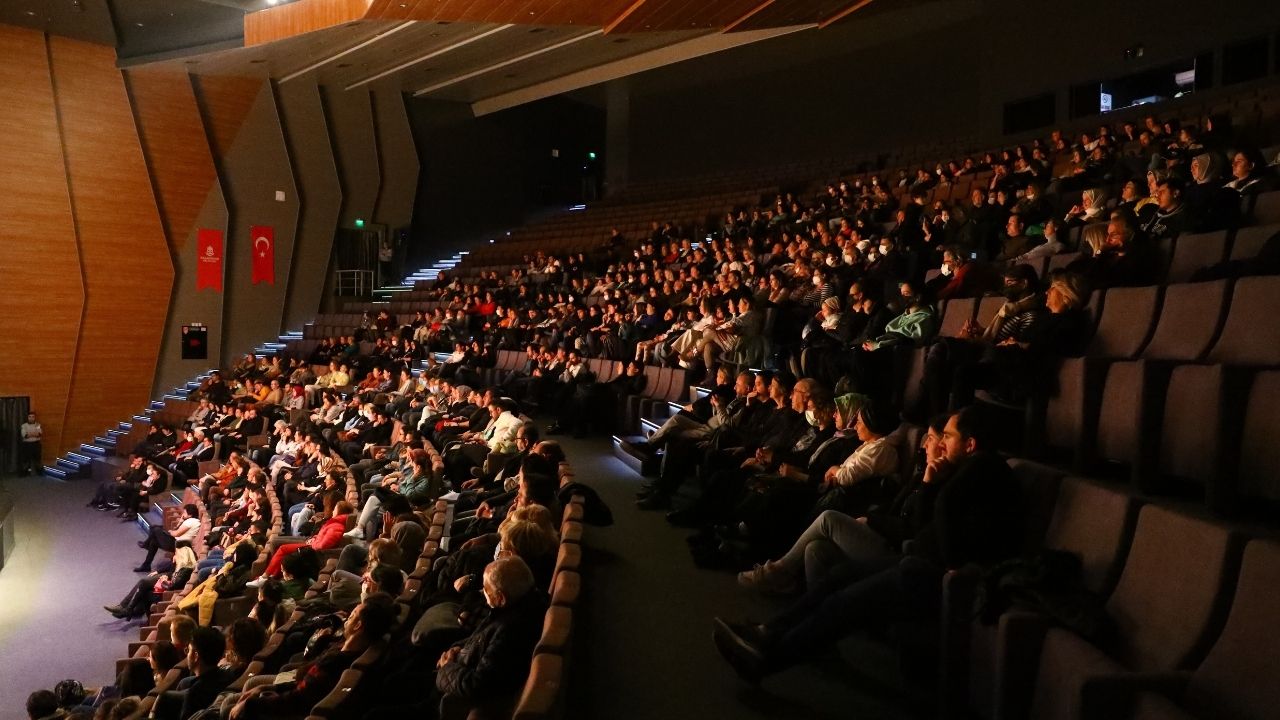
x,y
264,254
209,259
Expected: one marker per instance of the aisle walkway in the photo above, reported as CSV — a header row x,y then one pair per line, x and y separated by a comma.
x,y
70,561
646,653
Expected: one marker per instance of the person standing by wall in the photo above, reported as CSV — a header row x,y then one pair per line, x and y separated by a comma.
x,y
29,448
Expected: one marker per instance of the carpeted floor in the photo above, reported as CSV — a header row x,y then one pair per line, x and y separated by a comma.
x,y
643,647
69,561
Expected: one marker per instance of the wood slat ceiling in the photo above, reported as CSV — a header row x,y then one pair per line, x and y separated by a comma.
x,y
782,13
649,15
596,13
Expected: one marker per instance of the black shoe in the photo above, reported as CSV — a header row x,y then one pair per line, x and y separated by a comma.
x,y
686,518
747,659
142,545
143,569
116,610
128,517
555,429
109,506
646,490
654,501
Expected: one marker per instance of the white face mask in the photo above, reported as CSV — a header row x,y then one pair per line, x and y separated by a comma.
x,y
884,249
946,271
848,258
811,417
817,281
863,245
833,261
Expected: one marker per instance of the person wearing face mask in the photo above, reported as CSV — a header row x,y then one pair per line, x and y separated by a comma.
x,y
889,267
961,276
834,538
952,358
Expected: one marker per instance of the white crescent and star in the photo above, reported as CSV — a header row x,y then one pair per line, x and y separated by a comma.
x,y
264,241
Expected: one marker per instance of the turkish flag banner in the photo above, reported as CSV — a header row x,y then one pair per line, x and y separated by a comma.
x,y
209,259
264,254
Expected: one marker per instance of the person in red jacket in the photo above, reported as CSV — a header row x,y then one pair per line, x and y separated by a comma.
x,y
327,537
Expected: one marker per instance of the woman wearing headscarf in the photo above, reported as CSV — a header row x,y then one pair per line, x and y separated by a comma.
x,y
1211,206
1091,209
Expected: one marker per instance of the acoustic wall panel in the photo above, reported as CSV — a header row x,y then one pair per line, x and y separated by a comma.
x,y
187,191
319,193
43,295
350,118
258,182
124,256
397,160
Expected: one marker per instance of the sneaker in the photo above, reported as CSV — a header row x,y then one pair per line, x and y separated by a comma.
x,y
255,584
768,579
355,533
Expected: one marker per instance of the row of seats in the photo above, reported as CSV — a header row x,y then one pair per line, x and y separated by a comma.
x,y
1188,600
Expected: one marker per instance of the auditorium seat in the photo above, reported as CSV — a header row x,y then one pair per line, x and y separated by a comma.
x,y
556,630
541,696
1236,681
1189,321
1189,435
1251,335
955,314
1265,208
1193,252
1248,241
1256,452
1091,521
1166,610
987,309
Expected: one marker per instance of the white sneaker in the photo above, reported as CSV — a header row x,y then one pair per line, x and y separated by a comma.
x,y
355,533
257,583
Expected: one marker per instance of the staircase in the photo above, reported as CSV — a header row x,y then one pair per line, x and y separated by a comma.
x,y
388,292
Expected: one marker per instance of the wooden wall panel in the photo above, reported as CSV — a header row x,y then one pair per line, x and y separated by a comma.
x,y
43,294
300,17
319,193
225,101
397,161
181,166
127,271
350,118
185,181
253,168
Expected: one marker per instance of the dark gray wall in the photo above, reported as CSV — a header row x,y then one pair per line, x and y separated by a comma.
x,y
319,193
927,72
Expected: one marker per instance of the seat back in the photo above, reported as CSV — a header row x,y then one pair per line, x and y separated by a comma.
x,y
1237,678
1128,317
1039,485
651,373
1120,416
1094,522
1256,475
1266,208
1248,241
1190,430
987,309
958,312
1193,252
1189,321
1062,260
1251,335
1173,590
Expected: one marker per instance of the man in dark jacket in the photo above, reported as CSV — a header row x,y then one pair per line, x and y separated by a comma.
x,y
196,692
976,521
491,665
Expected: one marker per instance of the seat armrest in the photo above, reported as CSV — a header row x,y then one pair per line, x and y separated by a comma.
x,y
1019,640
959,592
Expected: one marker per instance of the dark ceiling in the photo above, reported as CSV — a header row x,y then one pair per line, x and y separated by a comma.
x,y
137,28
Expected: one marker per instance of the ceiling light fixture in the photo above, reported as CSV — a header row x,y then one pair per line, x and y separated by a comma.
x,y
505,63
428,56
344,53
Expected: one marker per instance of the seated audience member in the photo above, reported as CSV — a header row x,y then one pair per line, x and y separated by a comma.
x,y
489,668
367,624
160,539
138,601
43,705
195,692
1121,257
225,583
977,520
111,493
327,537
